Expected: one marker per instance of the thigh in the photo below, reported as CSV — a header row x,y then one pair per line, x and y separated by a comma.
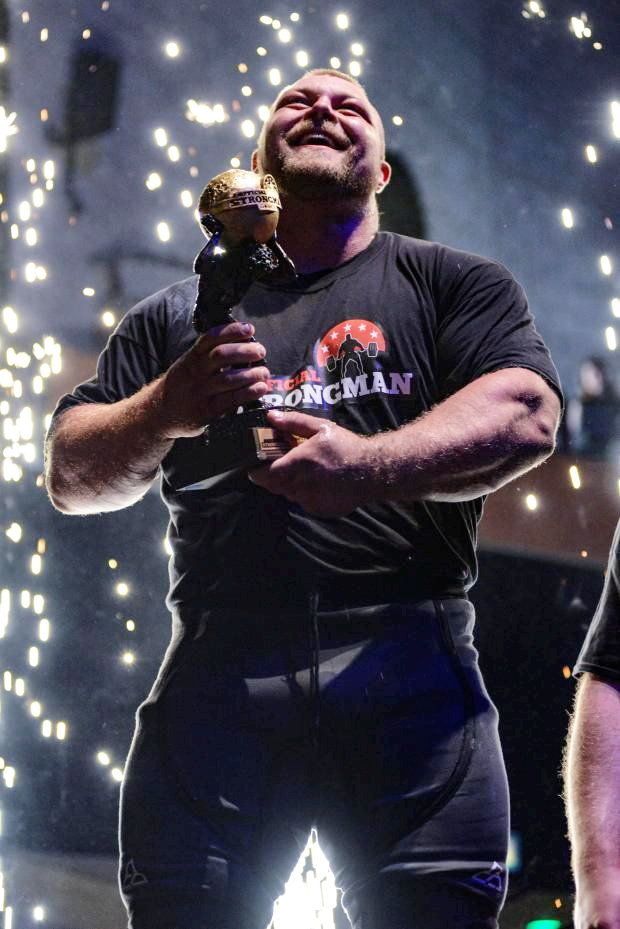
x,y
450,871
397,901
419,800
213,805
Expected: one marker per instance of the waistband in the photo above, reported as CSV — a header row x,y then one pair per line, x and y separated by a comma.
x,y
370,590
363,618
267,645
348,592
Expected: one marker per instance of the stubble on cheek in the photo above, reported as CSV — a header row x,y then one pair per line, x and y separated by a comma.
x,y
306,171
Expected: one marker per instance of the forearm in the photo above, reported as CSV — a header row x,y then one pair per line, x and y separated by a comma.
x,y
102,457
592,781
476,440
472,443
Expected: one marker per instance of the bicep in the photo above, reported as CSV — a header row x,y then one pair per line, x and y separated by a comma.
x,y
595,724
597,693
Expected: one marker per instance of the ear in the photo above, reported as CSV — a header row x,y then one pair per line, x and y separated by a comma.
x,y
385,173
254,162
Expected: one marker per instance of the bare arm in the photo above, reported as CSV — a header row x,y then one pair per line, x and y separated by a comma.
x,y
478,439
104,456
495,428
592,793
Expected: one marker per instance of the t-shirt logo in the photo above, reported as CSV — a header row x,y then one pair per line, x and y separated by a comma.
x,y
350,362
348,349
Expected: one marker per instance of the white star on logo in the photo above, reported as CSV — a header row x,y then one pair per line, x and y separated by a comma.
x,y
347,328
362,327
374,334
324,348
335,335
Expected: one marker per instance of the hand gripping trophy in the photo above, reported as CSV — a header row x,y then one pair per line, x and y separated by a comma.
x,y
238,213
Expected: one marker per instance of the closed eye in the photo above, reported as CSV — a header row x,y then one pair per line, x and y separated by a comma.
x,y
354,108
348,106
297,102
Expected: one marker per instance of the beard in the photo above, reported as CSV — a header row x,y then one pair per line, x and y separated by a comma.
x,y
301,172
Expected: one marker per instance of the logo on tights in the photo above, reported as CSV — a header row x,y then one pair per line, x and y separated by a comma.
x,y
492,879
132,877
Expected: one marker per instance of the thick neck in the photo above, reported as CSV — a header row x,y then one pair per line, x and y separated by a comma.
x,y
317,235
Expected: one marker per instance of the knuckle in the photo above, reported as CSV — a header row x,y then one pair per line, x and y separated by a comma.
x,y
251,375
203,342
253,351
218,353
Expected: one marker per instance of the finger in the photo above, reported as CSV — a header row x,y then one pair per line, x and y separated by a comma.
x,y
228,401
266,478
236,379
229,332
282,475
229,354
260,476
301,424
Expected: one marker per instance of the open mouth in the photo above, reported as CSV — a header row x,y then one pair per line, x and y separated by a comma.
x,y
317,138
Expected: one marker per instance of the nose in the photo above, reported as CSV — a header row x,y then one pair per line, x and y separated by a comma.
x,y
322,109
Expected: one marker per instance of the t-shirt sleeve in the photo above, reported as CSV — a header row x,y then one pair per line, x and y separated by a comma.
x,y
600,652
484,324
134,356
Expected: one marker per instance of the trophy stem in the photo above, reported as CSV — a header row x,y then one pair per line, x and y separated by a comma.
x,y
238,214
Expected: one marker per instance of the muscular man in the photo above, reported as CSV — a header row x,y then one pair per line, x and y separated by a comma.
x,y
348,352
321,670
592,763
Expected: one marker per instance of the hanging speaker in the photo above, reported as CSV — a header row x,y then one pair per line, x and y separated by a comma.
x,y
91,95
92,92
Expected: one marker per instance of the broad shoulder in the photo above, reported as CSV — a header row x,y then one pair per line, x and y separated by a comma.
x,y
439,258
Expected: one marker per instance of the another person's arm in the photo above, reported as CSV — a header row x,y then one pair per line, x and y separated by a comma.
x,y
592,762
592,794
104,456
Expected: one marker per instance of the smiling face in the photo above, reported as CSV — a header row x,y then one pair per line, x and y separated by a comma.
x,y
324,138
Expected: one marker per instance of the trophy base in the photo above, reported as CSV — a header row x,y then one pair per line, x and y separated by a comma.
x,y
236,443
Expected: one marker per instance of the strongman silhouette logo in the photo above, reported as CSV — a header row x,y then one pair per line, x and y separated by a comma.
x,y
349,349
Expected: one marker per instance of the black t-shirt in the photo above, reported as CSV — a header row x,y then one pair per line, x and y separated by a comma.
x,y
600,651
371,345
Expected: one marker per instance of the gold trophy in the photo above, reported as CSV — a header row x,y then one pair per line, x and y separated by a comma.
x,y
238,213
